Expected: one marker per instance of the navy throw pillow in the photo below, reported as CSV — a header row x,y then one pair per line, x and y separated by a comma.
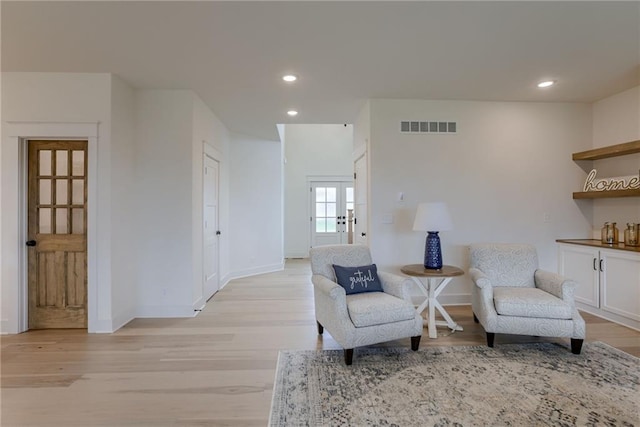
x,y
356,280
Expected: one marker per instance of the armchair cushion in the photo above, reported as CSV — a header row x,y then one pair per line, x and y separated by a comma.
x,y
356,280
530,302
377,308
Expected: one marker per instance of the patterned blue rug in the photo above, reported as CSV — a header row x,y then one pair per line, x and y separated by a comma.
x,y
540,384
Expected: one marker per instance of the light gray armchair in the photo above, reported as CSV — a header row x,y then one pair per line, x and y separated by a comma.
x,y
512,296
364,318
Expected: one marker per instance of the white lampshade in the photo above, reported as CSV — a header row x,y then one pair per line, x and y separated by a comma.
x,y
432,217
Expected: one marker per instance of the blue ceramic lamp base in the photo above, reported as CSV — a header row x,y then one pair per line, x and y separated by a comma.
x,y
432,252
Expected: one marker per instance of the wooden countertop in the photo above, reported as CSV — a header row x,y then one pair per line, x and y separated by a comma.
x,y
598,244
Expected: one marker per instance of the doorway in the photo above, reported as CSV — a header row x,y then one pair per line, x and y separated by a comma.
x,y
57,234
332,204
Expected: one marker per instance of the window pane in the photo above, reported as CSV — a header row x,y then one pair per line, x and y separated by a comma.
x,y
45,191
45,162
61,221
61,162
331,225
321,225
320,210
331,194
321,194
349,191
331,210
61,192
77,197
77,221
77,160
44,225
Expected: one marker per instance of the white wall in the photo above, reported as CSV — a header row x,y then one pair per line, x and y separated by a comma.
x,y
616,119
123,202
508,166
61,98
164,203
256,206
310,150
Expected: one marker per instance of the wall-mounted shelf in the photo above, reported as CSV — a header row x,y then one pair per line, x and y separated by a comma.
x,y
605,194
610,151
604,153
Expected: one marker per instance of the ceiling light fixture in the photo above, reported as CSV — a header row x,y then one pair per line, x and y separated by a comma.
x,y
292,113
546,83
289,78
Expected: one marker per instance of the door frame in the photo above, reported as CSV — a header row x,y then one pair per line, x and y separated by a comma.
x,y
19,133
321,178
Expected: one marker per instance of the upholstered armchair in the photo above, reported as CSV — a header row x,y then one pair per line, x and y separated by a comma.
x,y
512,296
364,318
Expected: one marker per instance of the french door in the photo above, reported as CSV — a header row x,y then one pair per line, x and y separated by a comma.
x,y
330,205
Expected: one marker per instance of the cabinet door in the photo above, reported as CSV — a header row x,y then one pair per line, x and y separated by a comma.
x,y
580,263
621,283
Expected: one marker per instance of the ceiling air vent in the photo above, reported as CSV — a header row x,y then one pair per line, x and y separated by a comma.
x,y
428,127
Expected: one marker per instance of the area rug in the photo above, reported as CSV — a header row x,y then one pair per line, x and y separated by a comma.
x,y
510,385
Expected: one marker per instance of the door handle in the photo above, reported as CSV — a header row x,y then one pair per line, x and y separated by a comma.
x,y
601,269
31,243
594,264
364,234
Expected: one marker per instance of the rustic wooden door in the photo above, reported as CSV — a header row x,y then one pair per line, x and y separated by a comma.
x,y
57,234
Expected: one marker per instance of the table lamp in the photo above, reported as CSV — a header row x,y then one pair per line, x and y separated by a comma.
x,y
432,218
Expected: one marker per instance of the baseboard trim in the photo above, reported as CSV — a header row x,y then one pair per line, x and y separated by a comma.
x,y
224,281
255,271
165,311
120,320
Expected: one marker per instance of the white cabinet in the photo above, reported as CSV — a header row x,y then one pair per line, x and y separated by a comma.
x,y
620,283
582,264
608,280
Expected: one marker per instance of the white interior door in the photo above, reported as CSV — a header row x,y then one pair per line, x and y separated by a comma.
x,y
210,227
330,202
361,189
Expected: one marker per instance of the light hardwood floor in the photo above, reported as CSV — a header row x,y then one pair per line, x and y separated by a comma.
x,y
216,369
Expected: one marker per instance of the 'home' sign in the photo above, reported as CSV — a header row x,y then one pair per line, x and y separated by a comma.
x,y
630,182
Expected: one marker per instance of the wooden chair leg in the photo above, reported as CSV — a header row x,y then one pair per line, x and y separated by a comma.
x,y
490,337
475,318
576,345
348,356
415,342
320,328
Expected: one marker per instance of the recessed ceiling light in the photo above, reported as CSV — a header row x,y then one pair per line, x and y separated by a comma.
x,y
292,113
289,78
546,83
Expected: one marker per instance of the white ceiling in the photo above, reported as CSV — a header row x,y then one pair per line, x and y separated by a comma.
x,y
232,54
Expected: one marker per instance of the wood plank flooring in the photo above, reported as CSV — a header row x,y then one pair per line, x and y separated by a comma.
x,y
216,369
